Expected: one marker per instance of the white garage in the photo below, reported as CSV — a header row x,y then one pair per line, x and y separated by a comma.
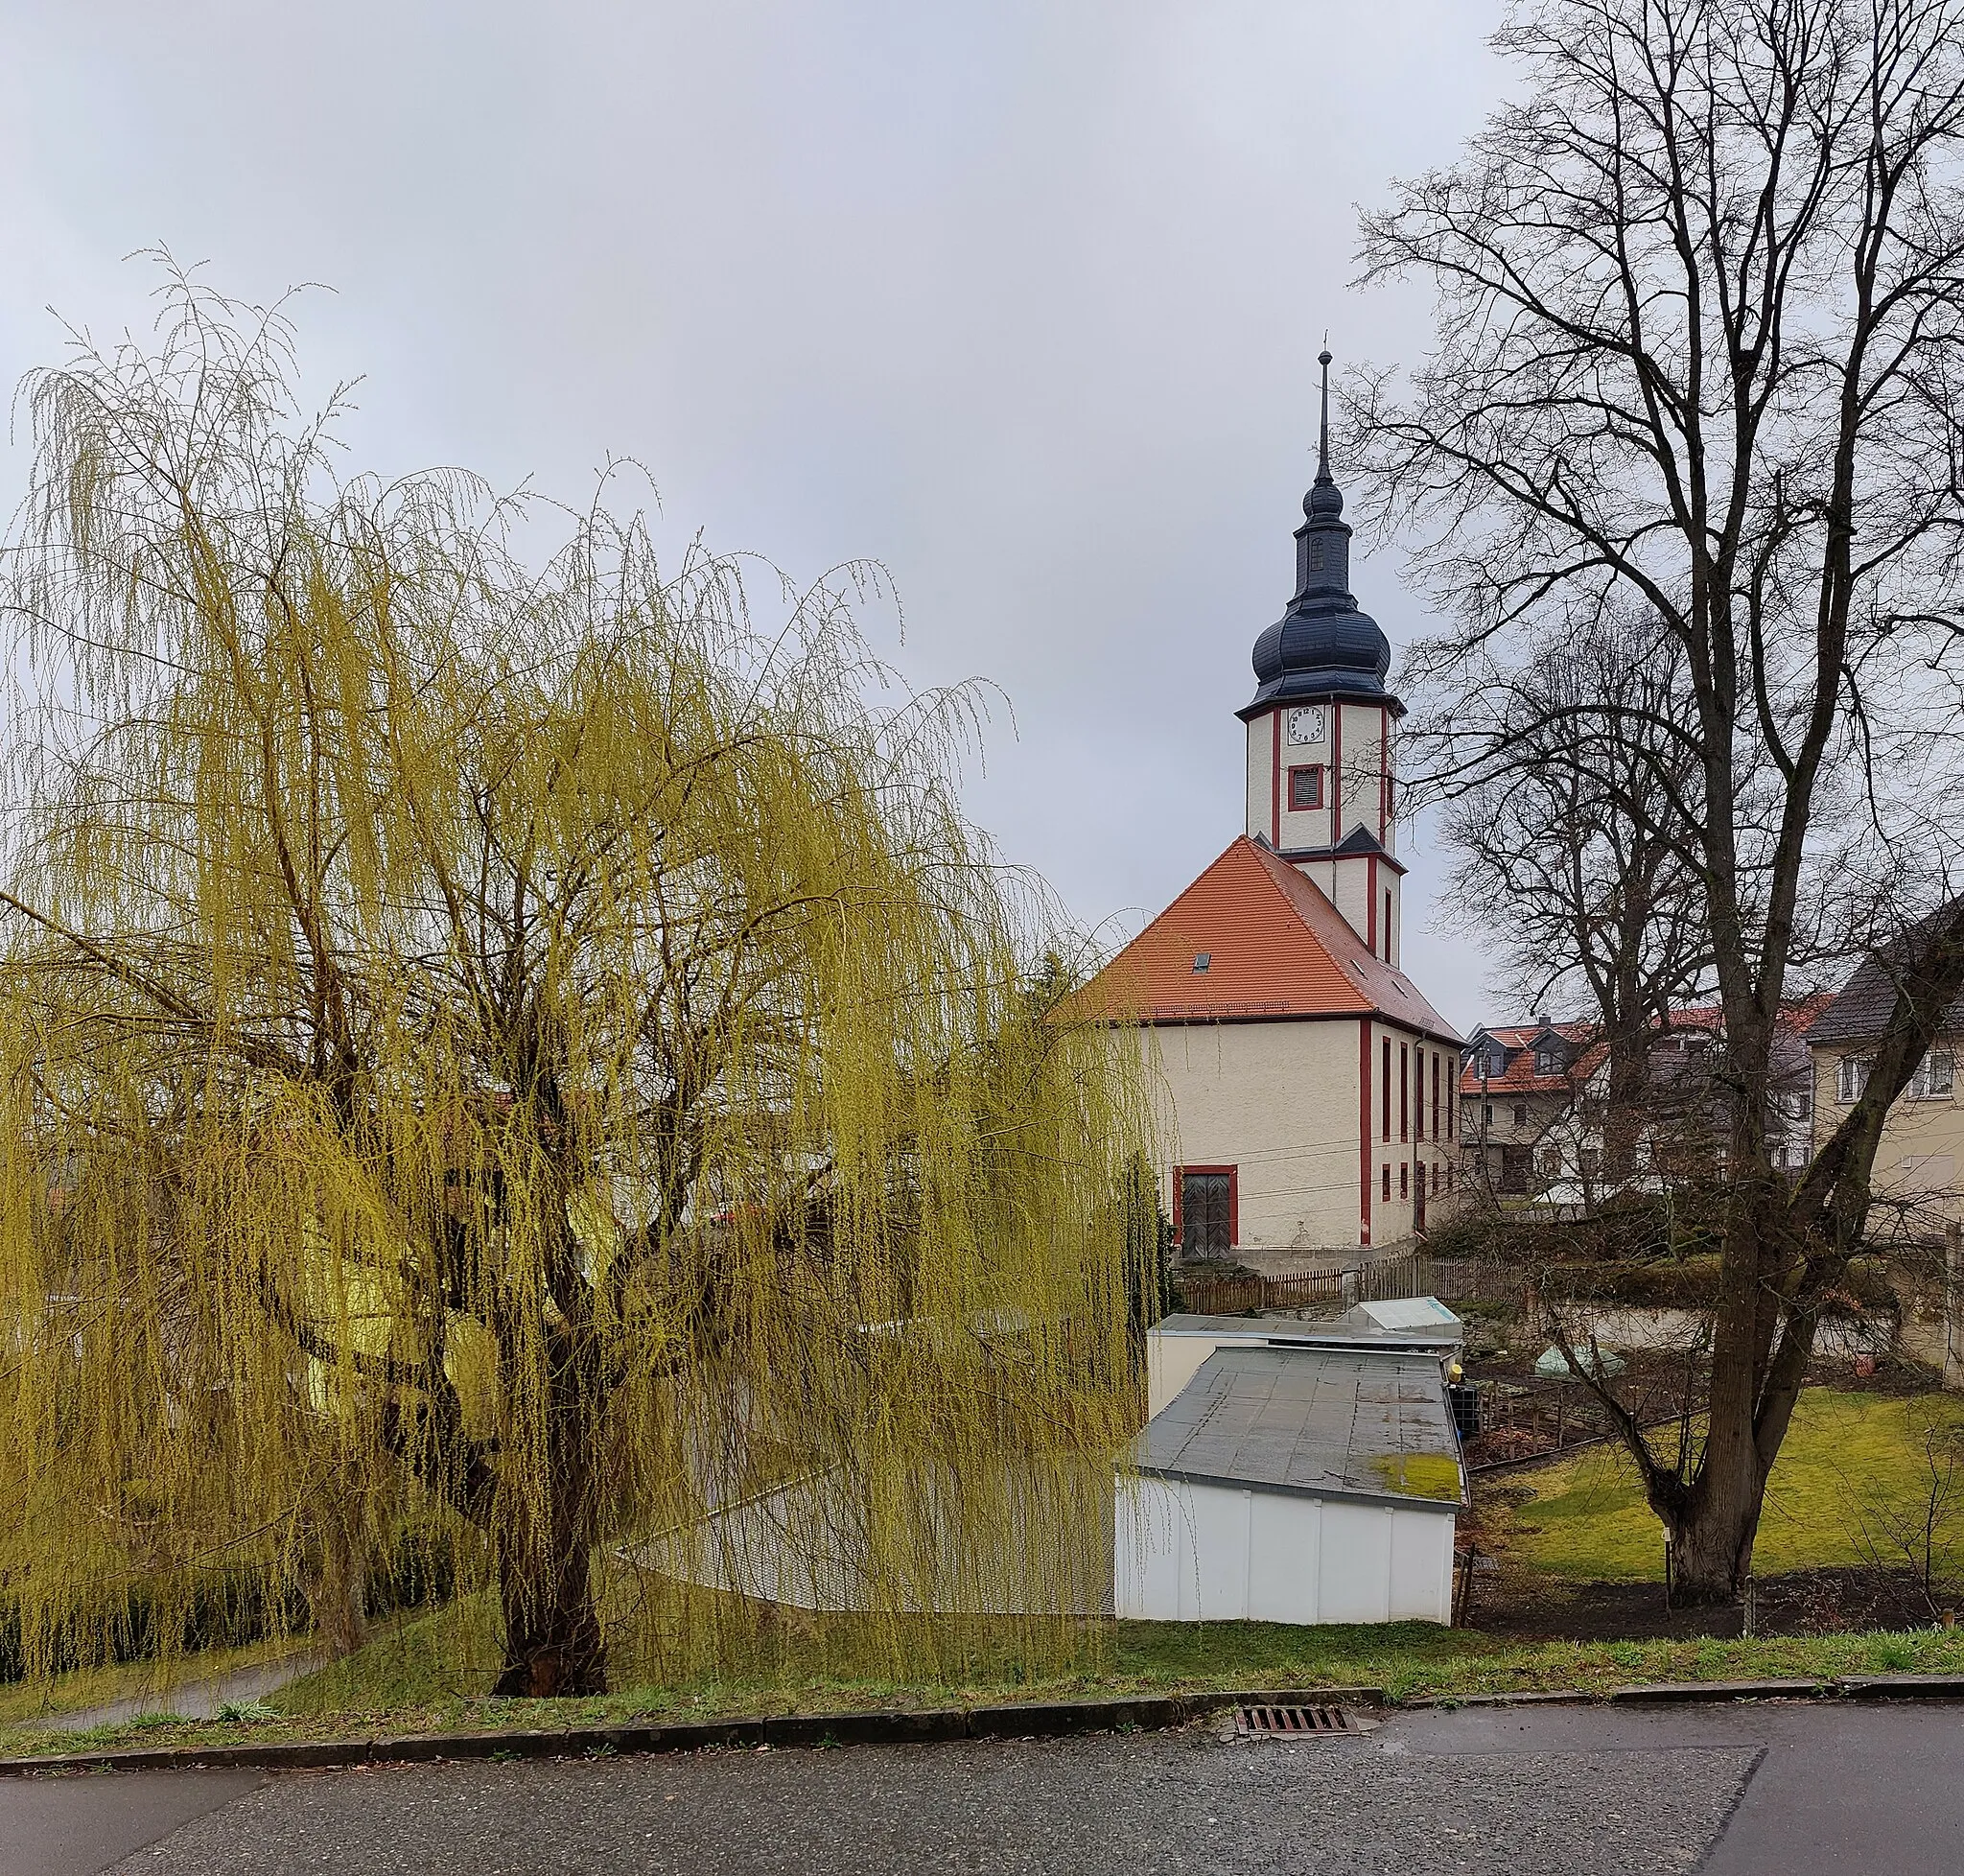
x,y
1294,1481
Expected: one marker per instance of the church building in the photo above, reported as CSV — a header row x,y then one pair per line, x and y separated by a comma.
x,y
1308,1089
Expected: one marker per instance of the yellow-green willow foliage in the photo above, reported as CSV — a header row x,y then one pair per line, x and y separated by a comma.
x,y
514,1059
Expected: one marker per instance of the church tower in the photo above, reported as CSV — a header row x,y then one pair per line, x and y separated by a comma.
x,y
1321,781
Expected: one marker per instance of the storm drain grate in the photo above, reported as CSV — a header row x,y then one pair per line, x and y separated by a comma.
x,y
1287,1722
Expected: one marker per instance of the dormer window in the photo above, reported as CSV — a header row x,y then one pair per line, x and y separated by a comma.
x,y
1202,963
1544,1062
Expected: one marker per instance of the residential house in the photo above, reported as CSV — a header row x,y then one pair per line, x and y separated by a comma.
x,y
1919,1162
1515,1083
1534,1104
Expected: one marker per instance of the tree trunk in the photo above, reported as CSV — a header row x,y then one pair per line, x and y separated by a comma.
x,y
336,1586
1953,1307
1627,1101
553,1640
1712,1533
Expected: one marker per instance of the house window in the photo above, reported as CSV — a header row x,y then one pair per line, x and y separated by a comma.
x,y
1516,1164
1544,1062
1404,1091
1486,1114
1851,1077
1388,958
1387,1093
1520,1113
1388,1179
1404,1180
1451,1179
1206,1199
1436,1078
1307,786
1933,1076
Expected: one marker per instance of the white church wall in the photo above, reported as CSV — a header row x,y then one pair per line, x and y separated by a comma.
x,y
1404,1146
1277,1101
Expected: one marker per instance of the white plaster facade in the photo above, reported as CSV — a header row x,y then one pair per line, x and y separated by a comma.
x,y
1296,1108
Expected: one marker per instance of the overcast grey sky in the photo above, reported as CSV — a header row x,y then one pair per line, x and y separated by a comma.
x,y
1021,298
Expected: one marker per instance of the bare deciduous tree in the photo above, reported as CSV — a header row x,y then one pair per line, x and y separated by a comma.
x,y
1574,846
1700,356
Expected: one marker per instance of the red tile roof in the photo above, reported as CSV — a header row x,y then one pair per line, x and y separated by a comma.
x,y
1275,947
1793,1021
1519,1077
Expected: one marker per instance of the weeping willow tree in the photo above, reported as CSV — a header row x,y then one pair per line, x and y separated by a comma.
x,y
491,1041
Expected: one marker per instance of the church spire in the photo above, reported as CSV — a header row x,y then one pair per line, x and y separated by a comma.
x,y
1323,543
1323,444
1323,646
1325,499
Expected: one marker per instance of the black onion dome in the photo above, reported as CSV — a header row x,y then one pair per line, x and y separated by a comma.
x,y
1323,646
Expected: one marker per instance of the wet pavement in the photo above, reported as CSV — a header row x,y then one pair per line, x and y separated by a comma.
x,y
1537,1791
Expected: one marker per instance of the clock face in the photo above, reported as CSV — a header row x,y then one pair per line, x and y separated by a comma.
x,y
1307,725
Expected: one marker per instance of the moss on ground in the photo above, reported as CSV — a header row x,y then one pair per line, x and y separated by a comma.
x,y
1852,1466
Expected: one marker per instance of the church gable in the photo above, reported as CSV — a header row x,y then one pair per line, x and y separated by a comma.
x,y
1252,939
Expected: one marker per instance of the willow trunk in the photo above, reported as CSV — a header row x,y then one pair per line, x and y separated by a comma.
x,y
553,1643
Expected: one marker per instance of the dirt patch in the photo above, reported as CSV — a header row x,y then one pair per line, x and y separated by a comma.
x,y
1526,1605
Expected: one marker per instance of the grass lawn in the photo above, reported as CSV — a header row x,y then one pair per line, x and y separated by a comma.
x,y
1846,1453
395,1687
1848,1459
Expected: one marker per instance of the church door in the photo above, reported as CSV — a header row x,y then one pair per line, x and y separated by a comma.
x,y
1207,1228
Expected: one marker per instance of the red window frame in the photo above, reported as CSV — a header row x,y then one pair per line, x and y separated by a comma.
x,y
1404,1090
1387,1180
1404,1179
1312,788
1234,1173
1388,1100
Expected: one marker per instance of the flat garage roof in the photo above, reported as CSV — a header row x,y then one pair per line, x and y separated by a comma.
x,y
1339,1332
1323,1423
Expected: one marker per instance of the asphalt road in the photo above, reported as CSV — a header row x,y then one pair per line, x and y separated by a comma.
x,y
1538,1791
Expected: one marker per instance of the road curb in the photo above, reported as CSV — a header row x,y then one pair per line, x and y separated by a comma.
x,y
1051,1720
1691,1692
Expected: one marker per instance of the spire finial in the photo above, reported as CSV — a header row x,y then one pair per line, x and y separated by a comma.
x,y
1322,447
1324,501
